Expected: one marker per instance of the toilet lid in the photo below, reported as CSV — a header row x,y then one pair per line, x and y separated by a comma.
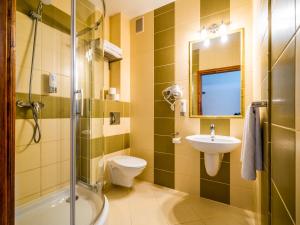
x,y
129,161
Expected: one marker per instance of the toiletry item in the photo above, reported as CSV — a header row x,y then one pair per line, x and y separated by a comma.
x,y
52,83
183,107
176,140
117,97
112,91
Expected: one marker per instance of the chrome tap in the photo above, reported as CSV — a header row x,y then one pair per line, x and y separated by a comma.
x,y
212,131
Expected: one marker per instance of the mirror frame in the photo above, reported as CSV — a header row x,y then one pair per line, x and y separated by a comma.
x,y
242,54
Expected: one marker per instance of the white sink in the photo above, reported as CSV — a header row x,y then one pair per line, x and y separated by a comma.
x,y
220,144
213,149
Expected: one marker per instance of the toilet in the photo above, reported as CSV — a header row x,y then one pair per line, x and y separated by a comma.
x,y
123,169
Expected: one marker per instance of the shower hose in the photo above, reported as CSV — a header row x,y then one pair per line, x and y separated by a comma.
x,y
35,106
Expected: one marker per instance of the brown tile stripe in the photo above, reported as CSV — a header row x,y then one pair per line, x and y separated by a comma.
x,y
93,148
216,188
59,107
164,73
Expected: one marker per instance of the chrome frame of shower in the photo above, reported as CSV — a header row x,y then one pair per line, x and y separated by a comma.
x,y
73,115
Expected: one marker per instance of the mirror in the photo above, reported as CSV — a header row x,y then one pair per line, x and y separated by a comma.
x,y
216,76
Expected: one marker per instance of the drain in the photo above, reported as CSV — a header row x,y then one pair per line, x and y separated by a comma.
x,y
68,200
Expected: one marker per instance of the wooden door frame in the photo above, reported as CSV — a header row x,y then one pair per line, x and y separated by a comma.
x,y
7,110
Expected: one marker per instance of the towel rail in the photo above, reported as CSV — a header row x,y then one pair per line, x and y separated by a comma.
x,y
260,104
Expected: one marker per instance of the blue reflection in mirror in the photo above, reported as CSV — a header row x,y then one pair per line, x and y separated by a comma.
x,y
221,93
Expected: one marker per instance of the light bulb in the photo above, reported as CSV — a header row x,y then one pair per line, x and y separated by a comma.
x,y
203,33
206,43
224,38
223,28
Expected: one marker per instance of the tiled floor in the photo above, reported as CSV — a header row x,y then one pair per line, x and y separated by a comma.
x,y
148,204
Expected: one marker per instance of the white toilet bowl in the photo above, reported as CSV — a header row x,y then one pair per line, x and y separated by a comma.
x,y
123,169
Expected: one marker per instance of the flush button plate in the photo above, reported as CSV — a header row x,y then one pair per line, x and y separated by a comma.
x,y
114,118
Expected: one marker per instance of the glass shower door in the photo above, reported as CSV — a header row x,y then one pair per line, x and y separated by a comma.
x,y
88,110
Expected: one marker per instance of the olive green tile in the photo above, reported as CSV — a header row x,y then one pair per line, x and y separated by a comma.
x,y
52,107
97,147
97,106
113,106
265,197
158,88
223,175
226,157
164,21
164,126
164,178
84,169
283,165
283,89
163,161
162,109
85,146
163,144
266,149
114,143
25,113
126,109
164,74
222,126
164,39
84,127
208,7
126,141
215,191
279,215
66,108
164,56
87,108
164,9
215,18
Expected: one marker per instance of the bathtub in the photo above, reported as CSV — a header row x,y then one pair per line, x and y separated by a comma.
x,y
53,209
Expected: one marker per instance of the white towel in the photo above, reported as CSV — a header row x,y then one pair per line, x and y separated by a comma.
x,y
251,156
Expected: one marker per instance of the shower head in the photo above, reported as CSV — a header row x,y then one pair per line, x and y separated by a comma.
x,y
46,2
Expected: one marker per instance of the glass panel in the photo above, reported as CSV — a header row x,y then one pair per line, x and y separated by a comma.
x,y
43,120
89,121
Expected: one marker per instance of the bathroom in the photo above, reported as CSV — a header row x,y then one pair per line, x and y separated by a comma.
x,y
138,112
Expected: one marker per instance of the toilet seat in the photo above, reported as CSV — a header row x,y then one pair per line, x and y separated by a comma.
x,y
128,162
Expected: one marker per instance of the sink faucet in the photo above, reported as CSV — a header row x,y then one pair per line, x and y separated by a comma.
x,y
212,131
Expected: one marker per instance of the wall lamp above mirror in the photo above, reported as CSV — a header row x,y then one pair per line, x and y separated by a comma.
x,y
217,75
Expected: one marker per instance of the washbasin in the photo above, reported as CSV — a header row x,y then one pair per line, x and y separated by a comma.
x,y
214,148
220,144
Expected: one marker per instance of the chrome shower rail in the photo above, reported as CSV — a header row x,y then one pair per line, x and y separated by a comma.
x,y
259,104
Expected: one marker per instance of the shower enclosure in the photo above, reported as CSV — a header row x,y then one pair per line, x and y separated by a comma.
x,y
59,120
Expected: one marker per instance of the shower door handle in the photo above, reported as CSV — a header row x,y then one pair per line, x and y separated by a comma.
x,y
80,107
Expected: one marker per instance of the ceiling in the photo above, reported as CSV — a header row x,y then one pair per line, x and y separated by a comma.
x,y
133,8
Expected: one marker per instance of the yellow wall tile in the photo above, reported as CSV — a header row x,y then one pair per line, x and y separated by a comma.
x,y
27,183
50,176
27,157
51,129
50,152
23,132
